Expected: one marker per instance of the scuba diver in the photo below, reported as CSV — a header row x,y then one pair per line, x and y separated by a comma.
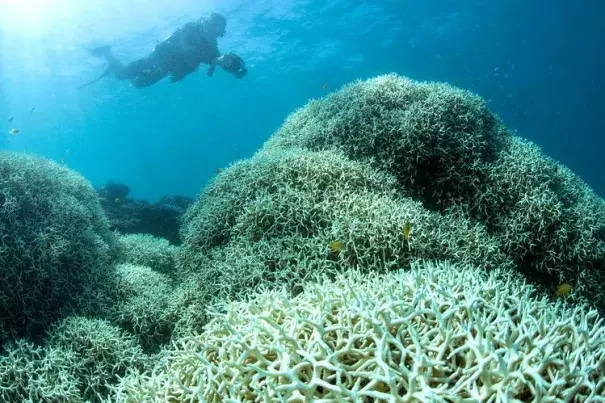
x,y
179,55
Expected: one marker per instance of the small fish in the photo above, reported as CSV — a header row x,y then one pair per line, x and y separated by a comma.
x,y
563,290
324,86
337,247
32,109
10,119
219,170
520,115
407,228
117,200
13,131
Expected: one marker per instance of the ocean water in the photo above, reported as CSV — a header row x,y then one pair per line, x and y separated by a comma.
x,y
539,65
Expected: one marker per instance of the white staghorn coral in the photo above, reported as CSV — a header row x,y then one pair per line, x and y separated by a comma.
x,y
435,333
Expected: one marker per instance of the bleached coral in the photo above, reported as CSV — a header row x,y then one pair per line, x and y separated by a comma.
x,y
435,333
148,250
448,151
145,308
55,243
269,220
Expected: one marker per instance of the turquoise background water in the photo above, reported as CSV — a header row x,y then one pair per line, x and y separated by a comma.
x,y
539,66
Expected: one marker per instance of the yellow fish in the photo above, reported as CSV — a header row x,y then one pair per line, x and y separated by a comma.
x,y
563,290
13,131
337,247
406,231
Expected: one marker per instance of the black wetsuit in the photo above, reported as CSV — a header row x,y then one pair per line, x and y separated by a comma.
x,y
177,56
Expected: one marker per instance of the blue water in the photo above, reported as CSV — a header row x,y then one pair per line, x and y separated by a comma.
x,y
539,64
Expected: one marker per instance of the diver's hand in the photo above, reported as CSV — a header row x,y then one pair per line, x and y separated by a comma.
x,y
232,64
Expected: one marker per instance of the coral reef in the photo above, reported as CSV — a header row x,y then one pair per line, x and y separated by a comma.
x,y
434,333
148,250
82,359
269,220
436,139
130,216
307,272
116,192
546,219
31,373
448,151
494,199
54,242
145,306
103,353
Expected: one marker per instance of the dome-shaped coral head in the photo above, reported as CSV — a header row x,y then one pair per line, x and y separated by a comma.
x,y
214,25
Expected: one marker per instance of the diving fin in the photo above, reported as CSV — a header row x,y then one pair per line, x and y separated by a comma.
x,y
114,64
105,73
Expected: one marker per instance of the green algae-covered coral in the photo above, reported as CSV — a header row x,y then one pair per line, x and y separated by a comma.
x,y
435,333
54,241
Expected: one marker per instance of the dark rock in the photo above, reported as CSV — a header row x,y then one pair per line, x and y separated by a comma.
x,y
113,191
131,216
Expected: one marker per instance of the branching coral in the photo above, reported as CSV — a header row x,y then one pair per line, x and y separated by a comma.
x,y
30,373
436,333
209,221
102,353
435,138
305,250
549,221
448,151
81,361
54,241
148,250
145,307
270,220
